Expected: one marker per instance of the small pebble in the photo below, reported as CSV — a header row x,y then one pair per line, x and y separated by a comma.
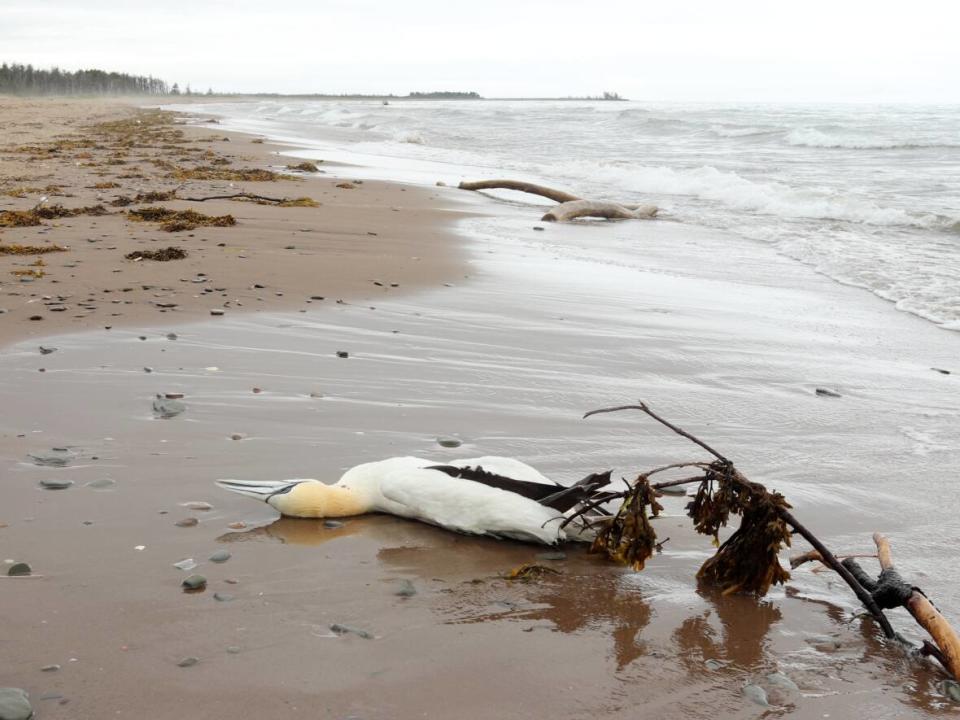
x,y
332,524
197,505
101,484
19,569
194,582
222,597
56,484
238,525
828,393
756,694
216,312
714,664
448,441
781,680
342,354
15,704
406,589
49,668
236,436
220,556
47,350
187,522
233,649
349,629
188,662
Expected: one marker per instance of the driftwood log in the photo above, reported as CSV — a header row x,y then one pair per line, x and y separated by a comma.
x,y
590,208
570,206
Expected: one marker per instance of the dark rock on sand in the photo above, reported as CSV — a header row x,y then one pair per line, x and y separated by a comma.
x,y
342,354
194,582
18,569
47,350
448,442
55,484
57,457
166,408
350,630
187,522
828,393
15,704
50,668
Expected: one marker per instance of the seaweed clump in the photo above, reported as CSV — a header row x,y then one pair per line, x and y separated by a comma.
x,y
208,172
13,249
163,255
178,220
627,536
304,167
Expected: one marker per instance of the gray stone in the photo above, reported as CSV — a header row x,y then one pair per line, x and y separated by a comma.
x,y
552,555
673,490
47,350
57,457
332,524
951,688
342,354
222,597
780,680
55,484
188,662
187,522
824,392
220,556
233,649
448,441
406,589
50,668
713,664
165,408
350,630
101,484
756,694
194,582
19,569
15,704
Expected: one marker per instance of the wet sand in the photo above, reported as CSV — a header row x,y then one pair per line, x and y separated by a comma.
x,y
273,258
507,361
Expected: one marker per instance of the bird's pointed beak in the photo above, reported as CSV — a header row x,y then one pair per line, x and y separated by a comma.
x,y
259,489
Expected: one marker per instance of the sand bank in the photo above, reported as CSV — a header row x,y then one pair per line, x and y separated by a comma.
x,y
272,258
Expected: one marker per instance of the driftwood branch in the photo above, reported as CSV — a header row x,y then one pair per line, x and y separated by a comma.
x,y
924,612
558,196
591,208
250,196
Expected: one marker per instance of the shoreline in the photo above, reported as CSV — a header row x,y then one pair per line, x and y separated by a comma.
x,y
273,258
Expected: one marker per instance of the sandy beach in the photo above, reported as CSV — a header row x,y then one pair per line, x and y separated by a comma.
x,y
458,318
272,258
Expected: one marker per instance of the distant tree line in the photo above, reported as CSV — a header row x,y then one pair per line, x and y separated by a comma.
x,y
444,96
28,80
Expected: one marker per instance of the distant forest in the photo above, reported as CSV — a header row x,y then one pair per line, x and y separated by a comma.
x,y
28,80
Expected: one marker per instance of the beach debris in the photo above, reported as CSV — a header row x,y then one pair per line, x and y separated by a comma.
x,y
188,662
259,199
305,166
47,350
14,249
179,220
171,336
941,371
237,436
163,255
406,589
55,484
220,556
825,392
57,457
187,564
15,704
216,312
342,354
531,571
570,207
194,583
233,649
197,505
748,561
50,668
19,569
36,317
237,525
339,629
346,186
448,441
187,522
166,408
208,172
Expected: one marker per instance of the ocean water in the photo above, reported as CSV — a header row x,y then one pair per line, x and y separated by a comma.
x,y
868,195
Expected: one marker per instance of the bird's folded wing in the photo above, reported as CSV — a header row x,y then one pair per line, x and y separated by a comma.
x,y
470,507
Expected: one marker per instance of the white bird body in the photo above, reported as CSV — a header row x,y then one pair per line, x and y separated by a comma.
x,y
425,490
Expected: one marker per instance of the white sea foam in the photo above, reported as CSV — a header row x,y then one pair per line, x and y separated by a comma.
x,y
814,138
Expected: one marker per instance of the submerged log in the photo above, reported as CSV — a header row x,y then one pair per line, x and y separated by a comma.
x,y
550,193
589,208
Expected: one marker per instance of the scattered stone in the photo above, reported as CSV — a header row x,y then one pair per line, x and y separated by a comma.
x,y
165,409
47,350
36,317
222,597
50,668
233,649
332,524
188,662
194,583
19,569
171,336
538,227
448,441
342,354
238,525
756,694
216,312
828,393
951,688
673,490
197,505
55,484
349,629
406,589
173,396
15,704
101,484
778,679
220,556
57,457
317,297
148,369
236,436
257,391
187,522
552,556
714,664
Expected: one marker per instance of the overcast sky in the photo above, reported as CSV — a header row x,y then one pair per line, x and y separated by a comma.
x,y
712,50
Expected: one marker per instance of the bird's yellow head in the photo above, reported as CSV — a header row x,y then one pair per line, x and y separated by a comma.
x,y
316,500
